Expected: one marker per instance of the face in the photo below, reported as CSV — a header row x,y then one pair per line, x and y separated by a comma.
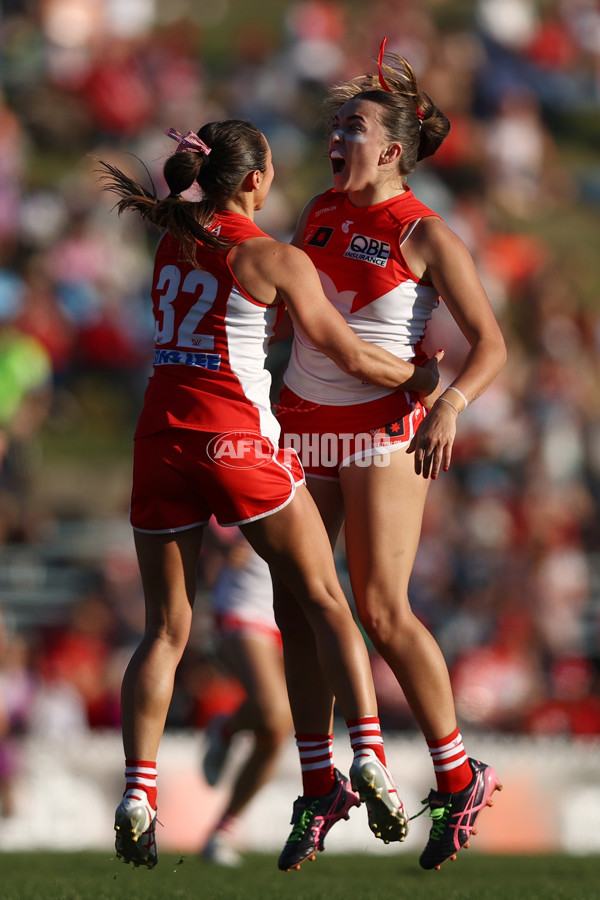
x,y
267,180
356,146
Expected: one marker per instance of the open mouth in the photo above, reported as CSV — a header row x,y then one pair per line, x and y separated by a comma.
x,y
338,163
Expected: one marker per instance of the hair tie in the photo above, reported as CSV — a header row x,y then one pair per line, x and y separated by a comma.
x,y
188,143
382,80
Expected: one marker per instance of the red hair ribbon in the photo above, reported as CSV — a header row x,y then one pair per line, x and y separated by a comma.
x,y
188,143
420,114
382,80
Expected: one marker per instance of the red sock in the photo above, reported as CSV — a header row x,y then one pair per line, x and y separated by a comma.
x,y
140,778
316,762
365,734
450,763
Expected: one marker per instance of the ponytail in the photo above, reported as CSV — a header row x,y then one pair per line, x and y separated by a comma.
x,y
235,148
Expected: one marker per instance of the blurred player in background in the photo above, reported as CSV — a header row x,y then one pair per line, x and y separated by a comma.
x,y
250,646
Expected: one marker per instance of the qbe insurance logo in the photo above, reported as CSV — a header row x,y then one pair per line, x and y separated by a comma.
x,y
240,450
368,249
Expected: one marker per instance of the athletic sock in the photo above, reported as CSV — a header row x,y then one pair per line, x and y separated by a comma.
x,y
365,734
450,763
316,763
140,779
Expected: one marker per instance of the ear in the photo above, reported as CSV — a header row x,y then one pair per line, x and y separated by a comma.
x,y
253,180
391,154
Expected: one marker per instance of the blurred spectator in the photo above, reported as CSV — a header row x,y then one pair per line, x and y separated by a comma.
x,y
16,697
521,169
497,683
76,658
573,707
25,397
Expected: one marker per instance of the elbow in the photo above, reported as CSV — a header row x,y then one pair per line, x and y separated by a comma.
x,y
493,351
347,359
353,367
356,364
501,354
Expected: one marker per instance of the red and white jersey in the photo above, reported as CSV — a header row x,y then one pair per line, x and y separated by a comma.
x,y
358,254
211,341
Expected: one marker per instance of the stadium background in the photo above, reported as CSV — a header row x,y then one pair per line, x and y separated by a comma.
x,y
508,572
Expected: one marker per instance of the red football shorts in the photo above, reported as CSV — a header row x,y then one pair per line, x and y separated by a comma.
x,y
327,438
181,477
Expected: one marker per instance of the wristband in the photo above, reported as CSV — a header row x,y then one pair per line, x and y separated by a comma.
x,y
460,393
443,399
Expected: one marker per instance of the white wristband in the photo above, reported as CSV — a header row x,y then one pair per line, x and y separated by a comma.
x,y
443,399
460,393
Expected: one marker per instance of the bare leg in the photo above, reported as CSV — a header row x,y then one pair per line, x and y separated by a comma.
x,y
310,696
343,659
295,544
384,510
168,570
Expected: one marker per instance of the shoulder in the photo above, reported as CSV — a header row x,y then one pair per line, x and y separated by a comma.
x,y
236,227
328,200
437,245
406,208
267,255
434,232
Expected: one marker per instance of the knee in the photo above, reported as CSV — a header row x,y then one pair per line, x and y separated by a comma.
x,y
386,621
171,637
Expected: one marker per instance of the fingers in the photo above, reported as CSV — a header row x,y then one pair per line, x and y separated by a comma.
x,y
433,441
430,458
447,457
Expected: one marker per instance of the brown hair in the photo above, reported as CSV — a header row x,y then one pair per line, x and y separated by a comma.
x,y
408,115
236,148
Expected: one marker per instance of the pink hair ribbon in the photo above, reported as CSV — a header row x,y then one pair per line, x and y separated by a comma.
x,y
382,80
188,143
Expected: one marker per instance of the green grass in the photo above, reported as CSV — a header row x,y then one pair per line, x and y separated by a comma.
x,y
97,876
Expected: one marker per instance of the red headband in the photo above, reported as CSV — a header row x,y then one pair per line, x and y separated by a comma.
x,y
382,80
384,83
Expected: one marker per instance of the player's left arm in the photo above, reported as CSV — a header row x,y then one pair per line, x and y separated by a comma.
x,y
442,258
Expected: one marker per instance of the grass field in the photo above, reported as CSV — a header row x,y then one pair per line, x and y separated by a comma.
x,y
97,876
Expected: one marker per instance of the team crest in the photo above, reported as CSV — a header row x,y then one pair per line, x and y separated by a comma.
x,y
320,237
395,429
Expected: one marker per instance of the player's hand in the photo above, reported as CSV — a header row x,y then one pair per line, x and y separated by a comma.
x,y
433,441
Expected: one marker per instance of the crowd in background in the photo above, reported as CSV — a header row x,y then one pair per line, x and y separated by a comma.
x,y
508,570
